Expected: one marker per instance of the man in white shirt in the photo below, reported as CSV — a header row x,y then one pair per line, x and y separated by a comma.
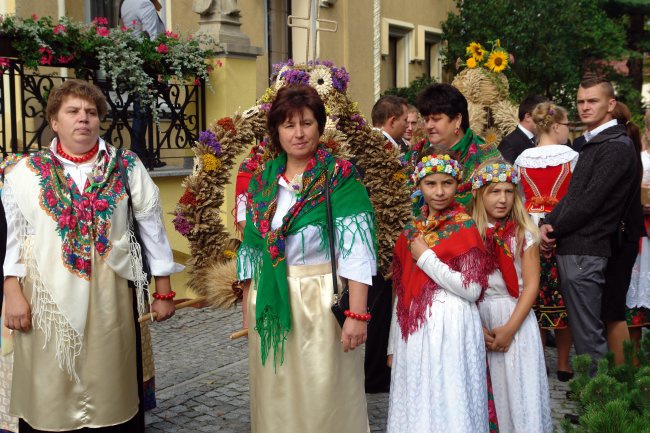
x,y
390,114
586,221
523,137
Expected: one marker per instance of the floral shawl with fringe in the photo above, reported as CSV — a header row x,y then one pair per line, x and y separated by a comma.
x,y
349,197
453,236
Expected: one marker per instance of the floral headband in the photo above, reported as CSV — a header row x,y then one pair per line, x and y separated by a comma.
x,y
495,173
431,164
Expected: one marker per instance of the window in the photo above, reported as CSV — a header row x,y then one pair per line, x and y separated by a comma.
x,y
397,51
278,36
429,51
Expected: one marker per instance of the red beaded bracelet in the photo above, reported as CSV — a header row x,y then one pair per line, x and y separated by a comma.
x,y
363,317
166,297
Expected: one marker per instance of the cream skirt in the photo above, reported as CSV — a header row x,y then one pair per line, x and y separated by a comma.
x,y
319,388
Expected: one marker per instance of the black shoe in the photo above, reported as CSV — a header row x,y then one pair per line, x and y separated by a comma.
x,y
158,164
564,376
573,418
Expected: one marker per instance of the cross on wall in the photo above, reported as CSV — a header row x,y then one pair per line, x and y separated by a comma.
x,y
313,25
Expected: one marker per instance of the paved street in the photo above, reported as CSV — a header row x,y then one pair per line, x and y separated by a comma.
x,y
202,385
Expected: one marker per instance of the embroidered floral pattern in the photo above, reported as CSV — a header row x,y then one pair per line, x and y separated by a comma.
x,y
83,218
549,308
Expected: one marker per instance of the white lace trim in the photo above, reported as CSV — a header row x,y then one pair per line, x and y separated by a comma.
x,y
547,156
140,278
46,315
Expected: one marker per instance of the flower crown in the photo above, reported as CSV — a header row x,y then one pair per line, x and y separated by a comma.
x,y
495,173
431,164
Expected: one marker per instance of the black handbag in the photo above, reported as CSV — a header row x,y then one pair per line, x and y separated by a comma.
x,y
131,217
341,301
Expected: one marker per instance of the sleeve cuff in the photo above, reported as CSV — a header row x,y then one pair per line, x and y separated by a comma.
x,y
164,268
16,270
361,270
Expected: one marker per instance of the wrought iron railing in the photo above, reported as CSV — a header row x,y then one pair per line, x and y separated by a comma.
x,y
23,127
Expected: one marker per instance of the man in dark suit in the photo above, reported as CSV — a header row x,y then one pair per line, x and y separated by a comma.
x,y
523,137
578,143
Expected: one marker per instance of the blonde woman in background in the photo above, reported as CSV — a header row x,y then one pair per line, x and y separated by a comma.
x,y
545,174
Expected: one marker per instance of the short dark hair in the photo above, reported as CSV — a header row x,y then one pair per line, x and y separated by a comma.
x,y
80,88
443,98
386,107
591,81
288,101
529,104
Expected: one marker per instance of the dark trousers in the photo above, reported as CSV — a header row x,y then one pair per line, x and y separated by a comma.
x,y
380,300
141,119
583,281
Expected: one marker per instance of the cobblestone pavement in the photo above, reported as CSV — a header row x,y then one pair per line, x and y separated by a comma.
x,y
202,384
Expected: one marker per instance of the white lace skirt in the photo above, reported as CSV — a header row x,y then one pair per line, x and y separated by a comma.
x,y
518,376
438,381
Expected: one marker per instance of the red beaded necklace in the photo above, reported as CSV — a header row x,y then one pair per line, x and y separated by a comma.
x,y
77,159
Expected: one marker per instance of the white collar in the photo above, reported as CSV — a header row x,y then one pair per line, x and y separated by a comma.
x,y
525,131
594,132
391,139
546,156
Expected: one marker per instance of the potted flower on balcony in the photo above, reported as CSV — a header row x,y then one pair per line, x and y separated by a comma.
x,y
129,62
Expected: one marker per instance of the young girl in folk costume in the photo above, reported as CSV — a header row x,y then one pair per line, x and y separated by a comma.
x,y
545,172
438,378
515,352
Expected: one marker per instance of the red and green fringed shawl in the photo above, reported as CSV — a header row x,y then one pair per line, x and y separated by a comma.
x,y
349,197
453,236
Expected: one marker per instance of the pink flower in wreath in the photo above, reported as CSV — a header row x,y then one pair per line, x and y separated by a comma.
x,y
162,49
274,251
264,227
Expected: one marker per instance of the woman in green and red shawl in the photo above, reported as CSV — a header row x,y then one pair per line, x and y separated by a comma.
x,y
446,120
305,374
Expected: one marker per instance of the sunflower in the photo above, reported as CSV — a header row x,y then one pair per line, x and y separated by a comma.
x,y
471,63
476,50
497,61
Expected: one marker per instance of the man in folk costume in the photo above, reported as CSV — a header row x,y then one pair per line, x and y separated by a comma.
x,y
70,255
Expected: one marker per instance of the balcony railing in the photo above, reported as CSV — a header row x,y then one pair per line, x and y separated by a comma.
x,y
23,127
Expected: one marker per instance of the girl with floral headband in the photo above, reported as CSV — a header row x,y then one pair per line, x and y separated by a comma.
x,y
545,172
438,378
515,353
